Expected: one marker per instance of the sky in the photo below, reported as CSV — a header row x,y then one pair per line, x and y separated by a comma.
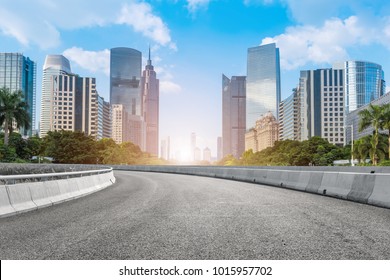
x,y
193,43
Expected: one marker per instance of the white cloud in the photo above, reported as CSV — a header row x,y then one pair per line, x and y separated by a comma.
x,y
304,44
93,61
141,18
258,2
167,84
40,21
194,5
169,87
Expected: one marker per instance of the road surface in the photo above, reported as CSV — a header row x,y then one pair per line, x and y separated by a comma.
x,y
167,216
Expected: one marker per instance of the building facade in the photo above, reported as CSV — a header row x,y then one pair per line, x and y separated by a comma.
x,y
233,115
321,104
55,69
219,148
364,82
150,90
263,83
264,135
18,72
207,154
289,117
353,120
119,122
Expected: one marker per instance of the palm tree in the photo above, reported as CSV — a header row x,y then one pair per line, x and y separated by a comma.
x,y
385,121
13,111
372,117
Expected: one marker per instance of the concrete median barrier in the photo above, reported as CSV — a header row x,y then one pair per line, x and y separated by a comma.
x,y
27,196
20,197
314,182
381,193
362,187
6,208
39,194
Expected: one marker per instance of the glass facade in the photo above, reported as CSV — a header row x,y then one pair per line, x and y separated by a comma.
x,y
18,72
263,83
364,82
233,115
125,79
288,117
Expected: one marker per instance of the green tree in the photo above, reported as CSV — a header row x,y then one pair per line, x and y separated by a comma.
x,y
13,111
385,122
372,117
71,147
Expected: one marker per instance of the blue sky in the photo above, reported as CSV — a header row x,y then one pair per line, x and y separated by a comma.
x,y
195,41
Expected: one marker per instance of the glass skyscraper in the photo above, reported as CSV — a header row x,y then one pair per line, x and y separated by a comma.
x,y
233,115
126,90
125,79
18,72
263,83
364,82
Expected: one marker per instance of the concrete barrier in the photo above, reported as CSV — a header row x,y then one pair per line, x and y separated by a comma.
x,y
360,184
381,192
39,194
6,208
23,197
20,197
362,187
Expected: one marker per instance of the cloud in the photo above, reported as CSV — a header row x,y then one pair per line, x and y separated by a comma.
x,y
194,5
304,44
258,2
167,84
93,61
40,22
141,18
169,87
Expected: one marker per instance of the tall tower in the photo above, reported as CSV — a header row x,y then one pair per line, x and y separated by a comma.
x,y
364,82
150,91
126,89
263,83
233,115
57,81
18,72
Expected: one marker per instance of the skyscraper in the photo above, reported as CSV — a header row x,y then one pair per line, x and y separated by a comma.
x,y
150,90
364,82
233,115
126,89
263,83
18,72
70,102
57,81
321,105
219,148
289,117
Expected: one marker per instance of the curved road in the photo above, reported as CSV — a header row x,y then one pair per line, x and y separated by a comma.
x,y
166,216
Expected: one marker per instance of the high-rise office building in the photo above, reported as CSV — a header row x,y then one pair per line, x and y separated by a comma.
x,y
262,83
119,122
289,117
107,120
219,148
233,115
126,89
150,90
87,107
18,72
321,105
57,82
364,82
70,102
207,154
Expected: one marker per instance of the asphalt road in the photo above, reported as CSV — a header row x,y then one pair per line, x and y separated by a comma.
x,y
165,216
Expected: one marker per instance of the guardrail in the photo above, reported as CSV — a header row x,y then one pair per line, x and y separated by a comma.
x,y
22,193
11,179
